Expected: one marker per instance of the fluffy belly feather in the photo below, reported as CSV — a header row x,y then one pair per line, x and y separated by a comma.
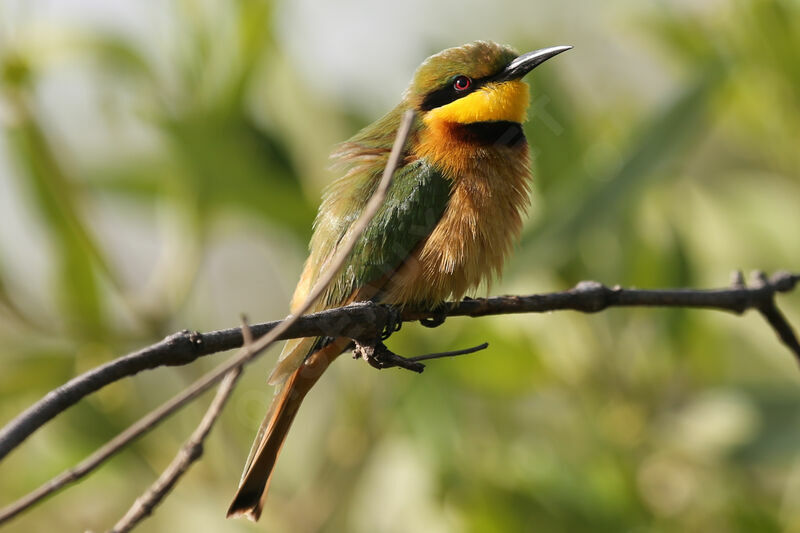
x,y
483,219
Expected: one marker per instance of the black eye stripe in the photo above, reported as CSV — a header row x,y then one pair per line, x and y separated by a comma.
x,y
448,93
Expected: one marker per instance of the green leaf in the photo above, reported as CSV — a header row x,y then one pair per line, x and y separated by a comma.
x,y
56,200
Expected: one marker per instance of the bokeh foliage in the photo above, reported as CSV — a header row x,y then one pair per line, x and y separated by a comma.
x,y
629,420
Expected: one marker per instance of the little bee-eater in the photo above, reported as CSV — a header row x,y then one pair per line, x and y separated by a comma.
x,y
450,217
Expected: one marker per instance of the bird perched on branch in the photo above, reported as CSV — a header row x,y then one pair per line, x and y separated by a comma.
x,y
450,217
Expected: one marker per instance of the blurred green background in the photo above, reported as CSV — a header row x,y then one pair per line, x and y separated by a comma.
x,y
160,166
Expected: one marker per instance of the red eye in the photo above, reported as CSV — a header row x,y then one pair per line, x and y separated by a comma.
x,y
462,83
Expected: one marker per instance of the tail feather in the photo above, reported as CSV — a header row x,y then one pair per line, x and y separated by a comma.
x,y
292,356
258,472
250,496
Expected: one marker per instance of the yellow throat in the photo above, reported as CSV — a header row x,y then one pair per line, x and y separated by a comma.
x,y
493,102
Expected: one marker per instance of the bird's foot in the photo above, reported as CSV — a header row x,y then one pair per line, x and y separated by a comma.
x,y
380,357
394,322
439,315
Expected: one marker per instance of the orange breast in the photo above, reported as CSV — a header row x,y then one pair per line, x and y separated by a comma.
x,y
490,194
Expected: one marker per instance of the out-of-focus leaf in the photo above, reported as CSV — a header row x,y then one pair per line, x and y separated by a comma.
x,y
115,54
140,180
780,20
55,198
662,139
15,70
232,163
253,18
686,38
780,423
554,133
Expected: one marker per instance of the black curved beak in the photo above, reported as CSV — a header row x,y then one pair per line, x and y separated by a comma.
x,y
527,62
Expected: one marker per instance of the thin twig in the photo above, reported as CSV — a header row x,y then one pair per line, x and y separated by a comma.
x,y
379,356
243,357
453,353
247,332
190,452
769,310
782,328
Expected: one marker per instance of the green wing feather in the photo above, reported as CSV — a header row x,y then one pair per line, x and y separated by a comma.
x,y
415,202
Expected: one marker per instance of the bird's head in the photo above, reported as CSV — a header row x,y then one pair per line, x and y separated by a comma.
x,y
476,82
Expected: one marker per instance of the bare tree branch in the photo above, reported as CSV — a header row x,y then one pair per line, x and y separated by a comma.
x,y
178,349
366,320
243,357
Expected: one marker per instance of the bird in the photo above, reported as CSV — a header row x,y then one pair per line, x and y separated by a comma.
x,y
451,216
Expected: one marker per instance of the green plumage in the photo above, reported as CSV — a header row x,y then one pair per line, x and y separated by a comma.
x,y
414,204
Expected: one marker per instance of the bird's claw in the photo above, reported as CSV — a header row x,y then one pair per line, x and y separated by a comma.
x,y
439,316
380,357
394,322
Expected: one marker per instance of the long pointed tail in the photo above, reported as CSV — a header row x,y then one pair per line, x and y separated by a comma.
x,y
249,498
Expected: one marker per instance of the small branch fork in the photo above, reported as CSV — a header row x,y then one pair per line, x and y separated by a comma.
x,y
380,357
